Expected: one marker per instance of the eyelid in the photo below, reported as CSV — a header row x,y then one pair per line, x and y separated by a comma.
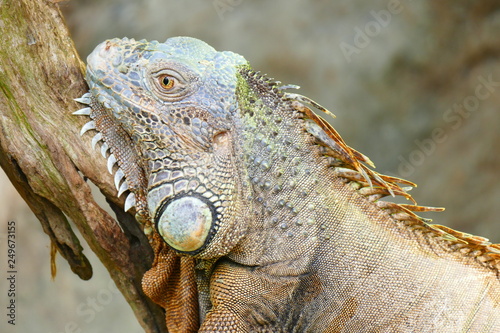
x,y
169,72
185,81
178,90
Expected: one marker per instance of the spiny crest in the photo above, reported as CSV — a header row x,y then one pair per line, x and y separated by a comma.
x,y
349,164
347,157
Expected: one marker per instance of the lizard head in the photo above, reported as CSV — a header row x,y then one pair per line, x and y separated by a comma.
x,y
163,110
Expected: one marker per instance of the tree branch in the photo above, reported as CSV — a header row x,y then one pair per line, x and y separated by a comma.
x,y
44,156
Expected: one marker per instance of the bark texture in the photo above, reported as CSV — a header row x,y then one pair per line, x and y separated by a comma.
x,y
48,162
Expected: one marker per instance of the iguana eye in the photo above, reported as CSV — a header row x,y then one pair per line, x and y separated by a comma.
x,y
171,84
166,81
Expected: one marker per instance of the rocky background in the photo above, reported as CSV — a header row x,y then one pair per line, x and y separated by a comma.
x,y
415,86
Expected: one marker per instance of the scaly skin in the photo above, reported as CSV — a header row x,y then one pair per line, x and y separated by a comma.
x,y
262,218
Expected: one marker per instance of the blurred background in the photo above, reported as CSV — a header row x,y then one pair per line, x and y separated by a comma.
x,y
415,86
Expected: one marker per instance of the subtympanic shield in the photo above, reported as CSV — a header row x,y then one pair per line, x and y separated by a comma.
x,y
185,223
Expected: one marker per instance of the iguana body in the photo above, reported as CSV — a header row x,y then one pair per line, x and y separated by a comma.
x,y
273,223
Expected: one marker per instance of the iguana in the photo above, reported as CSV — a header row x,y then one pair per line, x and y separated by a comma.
x,y
261,217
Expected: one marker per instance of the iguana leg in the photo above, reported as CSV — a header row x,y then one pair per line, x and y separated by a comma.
x,y
225,314
257,299
171,284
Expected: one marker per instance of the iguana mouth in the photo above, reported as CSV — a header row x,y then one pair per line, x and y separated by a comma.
x,y
186,219
117,147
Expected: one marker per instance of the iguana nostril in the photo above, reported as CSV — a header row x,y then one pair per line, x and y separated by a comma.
x,y
185,223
